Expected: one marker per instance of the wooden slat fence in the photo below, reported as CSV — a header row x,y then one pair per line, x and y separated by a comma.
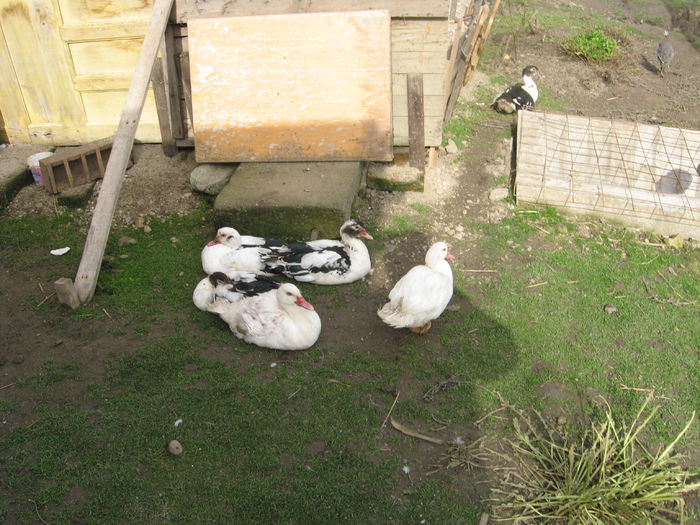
x,y
643,175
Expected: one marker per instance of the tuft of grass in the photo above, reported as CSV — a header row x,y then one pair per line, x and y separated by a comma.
x,y
593,45
606,476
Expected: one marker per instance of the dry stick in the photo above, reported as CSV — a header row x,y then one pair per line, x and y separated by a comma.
x,y
37,512
410,432
536,284
672,288
494,411
106,313
7,386
293,393
541,229
389,413
646,390
45,299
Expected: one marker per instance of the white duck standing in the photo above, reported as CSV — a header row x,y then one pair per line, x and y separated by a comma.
x,y
422,294
231,251
232,286
327,261
279,319
519,96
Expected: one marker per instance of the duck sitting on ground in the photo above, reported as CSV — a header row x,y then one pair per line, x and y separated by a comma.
x,y
422,294
233,287
231,251
279,319
327,261
519,96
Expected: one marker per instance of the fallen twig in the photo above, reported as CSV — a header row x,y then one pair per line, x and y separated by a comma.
x,y
481,420
652,259
7,386
672,288
290,396
37,512
45,299
541,229
650,391
405,430
442,385
390,409
536,285
106,313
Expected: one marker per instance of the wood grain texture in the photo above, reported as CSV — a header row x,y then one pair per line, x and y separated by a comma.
x,y
639,174
292,87
89,269
416,124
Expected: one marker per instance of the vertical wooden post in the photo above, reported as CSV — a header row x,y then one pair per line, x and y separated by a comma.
x,y
89,269
159,91
416,121
172,84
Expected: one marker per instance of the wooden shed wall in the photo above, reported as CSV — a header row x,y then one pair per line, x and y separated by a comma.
x,y
71,61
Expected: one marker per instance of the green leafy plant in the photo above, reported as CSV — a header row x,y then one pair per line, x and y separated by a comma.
x,y
593,45
606,476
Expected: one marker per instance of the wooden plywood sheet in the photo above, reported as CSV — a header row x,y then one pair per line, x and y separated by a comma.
x,y
292,87
643,175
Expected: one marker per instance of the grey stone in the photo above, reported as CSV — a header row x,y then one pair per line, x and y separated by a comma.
x,y
451,147
498,194
211,178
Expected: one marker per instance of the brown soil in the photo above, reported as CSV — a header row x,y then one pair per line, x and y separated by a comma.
x,y
457,189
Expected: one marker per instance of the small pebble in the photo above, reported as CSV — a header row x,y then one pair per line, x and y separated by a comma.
x,y
174,447
609,309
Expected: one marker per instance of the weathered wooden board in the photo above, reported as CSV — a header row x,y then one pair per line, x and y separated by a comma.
x,y
643,175
292,87
186,10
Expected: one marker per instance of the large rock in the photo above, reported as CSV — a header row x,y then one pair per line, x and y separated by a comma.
x,y
289,200
211,178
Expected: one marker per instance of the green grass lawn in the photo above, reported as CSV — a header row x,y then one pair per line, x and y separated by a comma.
x,y
298,442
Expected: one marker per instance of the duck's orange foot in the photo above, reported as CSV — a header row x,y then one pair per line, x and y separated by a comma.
x,y
420,330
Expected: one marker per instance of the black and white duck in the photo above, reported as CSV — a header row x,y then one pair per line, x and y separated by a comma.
x,y
327,261
231,251
519,96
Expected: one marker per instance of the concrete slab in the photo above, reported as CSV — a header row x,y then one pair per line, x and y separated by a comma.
x,y
289,200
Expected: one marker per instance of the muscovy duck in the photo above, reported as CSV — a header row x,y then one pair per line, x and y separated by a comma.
x,y
519,96
327,261
279,319
422,294
231,251
233,287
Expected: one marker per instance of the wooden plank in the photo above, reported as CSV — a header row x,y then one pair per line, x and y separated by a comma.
x,y
187,93
433,131
432,84
78,11
186,10
14,113
166,131
89,268
416,125
37,53
171,82
112,56
432,105
104,30
255,100
640,174
481,42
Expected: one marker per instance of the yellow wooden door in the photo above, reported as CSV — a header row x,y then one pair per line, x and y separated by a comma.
x,y
67,66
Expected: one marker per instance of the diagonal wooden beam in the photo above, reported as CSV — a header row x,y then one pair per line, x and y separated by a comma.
x,y
89,269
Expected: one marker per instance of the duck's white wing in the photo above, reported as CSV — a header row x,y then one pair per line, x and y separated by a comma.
x,y
418,289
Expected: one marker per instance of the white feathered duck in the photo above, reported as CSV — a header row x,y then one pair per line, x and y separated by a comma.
x,y
279,318
422,294
232,286
519,96
231,251
326,261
